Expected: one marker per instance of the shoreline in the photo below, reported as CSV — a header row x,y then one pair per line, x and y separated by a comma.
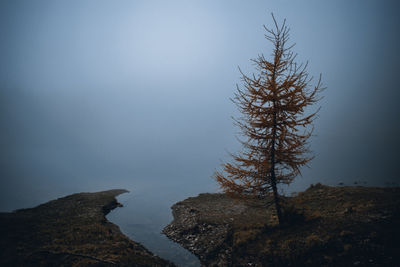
x,y
143,218
328,226
73,230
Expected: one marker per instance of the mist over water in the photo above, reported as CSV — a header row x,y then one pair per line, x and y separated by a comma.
x,y
96,95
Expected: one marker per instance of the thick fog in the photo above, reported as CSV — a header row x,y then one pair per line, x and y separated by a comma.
x,y
97,95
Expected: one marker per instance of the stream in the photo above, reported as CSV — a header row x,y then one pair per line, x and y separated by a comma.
x,y
142,219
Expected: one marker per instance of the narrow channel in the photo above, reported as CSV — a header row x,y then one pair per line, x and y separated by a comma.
x,y
142,219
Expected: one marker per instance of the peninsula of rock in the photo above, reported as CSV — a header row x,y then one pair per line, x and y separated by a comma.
x,y
326,226
70,231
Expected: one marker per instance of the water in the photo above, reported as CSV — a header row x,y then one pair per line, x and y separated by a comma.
x,y
142,218
146,211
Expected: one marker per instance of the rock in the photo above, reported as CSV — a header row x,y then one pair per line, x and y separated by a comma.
x,y
223,231
70,231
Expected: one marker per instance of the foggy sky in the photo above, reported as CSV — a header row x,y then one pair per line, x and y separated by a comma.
x,y
135,94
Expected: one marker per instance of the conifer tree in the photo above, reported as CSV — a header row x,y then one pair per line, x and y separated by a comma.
x,y
275,123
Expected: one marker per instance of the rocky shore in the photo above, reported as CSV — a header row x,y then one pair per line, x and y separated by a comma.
x,y
326,226
70,231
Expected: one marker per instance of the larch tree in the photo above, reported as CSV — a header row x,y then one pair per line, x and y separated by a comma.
x,y
276,123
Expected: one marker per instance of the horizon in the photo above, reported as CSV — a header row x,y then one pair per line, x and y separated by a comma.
x,y
135,94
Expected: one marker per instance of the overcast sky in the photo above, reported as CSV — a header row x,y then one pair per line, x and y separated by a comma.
x,y
105,94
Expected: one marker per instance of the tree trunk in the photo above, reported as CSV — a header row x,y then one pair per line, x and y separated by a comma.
x,y
273,177
276,199
272,170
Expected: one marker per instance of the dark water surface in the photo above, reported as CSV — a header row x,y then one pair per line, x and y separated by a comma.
x,y
142,218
